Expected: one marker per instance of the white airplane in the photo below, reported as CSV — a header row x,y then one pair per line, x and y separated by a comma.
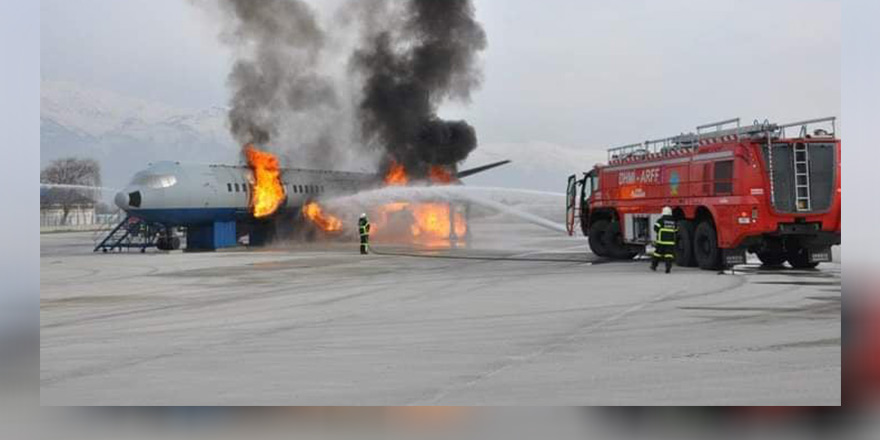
x,y
213,201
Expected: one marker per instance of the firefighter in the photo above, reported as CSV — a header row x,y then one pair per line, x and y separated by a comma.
x,y
364,231
666,229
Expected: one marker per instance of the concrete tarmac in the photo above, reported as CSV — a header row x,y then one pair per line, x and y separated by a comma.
x,y
522,316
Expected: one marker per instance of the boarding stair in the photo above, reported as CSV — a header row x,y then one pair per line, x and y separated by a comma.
x,y
131,233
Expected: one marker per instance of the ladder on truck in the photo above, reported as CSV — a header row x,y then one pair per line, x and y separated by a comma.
x,y
802,177
130,233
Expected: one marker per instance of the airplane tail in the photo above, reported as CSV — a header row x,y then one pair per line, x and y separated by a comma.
x,y
472,171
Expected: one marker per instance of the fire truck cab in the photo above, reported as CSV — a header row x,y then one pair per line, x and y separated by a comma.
x,y
733,189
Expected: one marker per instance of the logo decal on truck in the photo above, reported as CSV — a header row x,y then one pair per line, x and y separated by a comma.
x,y
674,181
650,175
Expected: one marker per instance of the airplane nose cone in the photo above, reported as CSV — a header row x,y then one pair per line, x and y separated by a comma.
x,y
121,200
127,200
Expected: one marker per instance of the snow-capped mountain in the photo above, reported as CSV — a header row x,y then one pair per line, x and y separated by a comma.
x,y
126,133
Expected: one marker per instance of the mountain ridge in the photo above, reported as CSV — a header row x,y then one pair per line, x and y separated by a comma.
x,y
125,134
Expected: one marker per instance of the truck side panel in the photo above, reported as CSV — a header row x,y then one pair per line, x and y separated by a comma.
x,y
727,180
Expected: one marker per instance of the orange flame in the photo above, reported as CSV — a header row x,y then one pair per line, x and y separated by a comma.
x,y
440,174
426,223
396,175
316,215
434,219
268,192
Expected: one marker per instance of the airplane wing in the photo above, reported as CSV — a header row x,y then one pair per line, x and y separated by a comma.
x,y
472,171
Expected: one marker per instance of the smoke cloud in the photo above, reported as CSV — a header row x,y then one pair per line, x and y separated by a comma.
x,y
410,68
292,92
277,74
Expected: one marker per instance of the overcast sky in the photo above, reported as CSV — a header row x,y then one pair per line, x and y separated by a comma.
x,y
577,73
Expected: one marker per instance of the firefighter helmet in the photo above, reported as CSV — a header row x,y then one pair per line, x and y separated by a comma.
x,y
667,211
364,215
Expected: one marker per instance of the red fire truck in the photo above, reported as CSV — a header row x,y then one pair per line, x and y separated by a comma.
x,y
733,189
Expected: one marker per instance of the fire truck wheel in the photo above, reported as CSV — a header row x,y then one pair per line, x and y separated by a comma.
x,y
799,258
706,250
771,259
684,246
597,238
615,246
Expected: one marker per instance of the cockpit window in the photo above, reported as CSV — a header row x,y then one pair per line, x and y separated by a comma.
x,y
154,180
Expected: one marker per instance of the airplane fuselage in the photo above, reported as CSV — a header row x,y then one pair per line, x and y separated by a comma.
x,y
176,194
213,202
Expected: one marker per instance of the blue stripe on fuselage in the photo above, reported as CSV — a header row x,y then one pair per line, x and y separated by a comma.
x,y
190,216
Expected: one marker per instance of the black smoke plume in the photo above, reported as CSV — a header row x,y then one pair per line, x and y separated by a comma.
x,y
409,70
276,74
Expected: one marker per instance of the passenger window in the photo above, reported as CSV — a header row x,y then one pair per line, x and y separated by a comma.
x,y
237,188
301,189
229,187
724,177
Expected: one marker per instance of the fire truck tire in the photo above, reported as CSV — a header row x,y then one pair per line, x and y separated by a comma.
x,y
597,238
799,258
706,250
615,246
772,259
684,245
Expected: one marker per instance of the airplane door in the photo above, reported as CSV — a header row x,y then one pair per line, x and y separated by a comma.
x,y
209,183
